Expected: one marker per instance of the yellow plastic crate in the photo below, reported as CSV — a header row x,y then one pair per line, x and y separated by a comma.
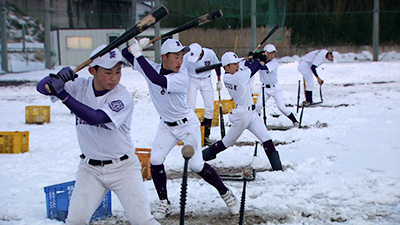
x,y
37,114
227,106
14,142
215,120
144,158
200,113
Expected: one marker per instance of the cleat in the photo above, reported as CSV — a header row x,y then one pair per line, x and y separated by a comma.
x,y
231,201
162,209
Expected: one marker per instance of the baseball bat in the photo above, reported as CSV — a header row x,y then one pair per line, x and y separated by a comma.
x,y
320,92
136,29
194,23
264,110
301,114
221,115
266,37
206,68
236,40
187,152
298,97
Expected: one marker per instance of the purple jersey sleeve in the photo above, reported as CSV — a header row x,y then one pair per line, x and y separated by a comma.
x,y
151,73
86,113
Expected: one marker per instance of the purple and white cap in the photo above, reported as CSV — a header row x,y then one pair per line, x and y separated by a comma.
x,y
172,46
229,58
108,60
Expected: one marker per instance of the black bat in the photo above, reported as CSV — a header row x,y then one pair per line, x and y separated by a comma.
x,y
221,115
266,37
298,97
214,66
206,68
136,29
194,23
264,110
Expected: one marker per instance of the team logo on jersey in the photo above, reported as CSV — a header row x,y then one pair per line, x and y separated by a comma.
x,y
113,54
207,63
116,105
231,86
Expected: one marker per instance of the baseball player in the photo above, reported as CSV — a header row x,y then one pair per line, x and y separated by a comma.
x,y
244,116
198,57
307,67
168,87
103,110
269,79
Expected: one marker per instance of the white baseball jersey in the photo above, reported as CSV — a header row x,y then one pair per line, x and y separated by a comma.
x,y
170,103
270,76
209,58
238,86
243,116
94,140
316,57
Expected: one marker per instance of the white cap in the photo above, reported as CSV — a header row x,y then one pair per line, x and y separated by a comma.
x,y
229,58
172,46
194,53
270,48
108,60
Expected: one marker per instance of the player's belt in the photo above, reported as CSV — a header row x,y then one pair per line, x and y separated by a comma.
x,y
176,123
268,85
95,162
200,78
252,107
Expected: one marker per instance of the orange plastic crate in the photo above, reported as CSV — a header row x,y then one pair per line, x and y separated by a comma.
x,y
144,158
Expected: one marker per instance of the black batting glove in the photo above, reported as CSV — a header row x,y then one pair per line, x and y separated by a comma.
x,y
263,58
66,74
56,85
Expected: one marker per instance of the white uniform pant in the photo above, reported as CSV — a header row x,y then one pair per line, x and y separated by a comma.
x,y
242,119
206,91
167,137
276,93
305,70
124,178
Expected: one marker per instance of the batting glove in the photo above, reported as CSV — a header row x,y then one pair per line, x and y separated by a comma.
x,y
136,49
56,85
219,85
66,74
145,43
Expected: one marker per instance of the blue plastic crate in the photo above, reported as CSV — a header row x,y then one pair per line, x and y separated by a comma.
x,y
57,202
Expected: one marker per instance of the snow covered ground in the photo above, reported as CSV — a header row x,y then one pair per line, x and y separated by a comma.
x,y
343,169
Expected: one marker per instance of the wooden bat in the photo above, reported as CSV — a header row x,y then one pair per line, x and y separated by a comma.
x,y
194,23
136,29
221,115
266,37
